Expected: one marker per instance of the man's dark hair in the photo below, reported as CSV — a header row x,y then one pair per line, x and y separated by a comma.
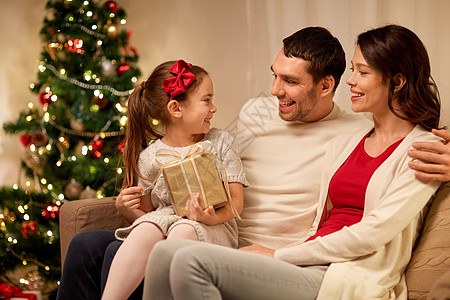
x,y
321,49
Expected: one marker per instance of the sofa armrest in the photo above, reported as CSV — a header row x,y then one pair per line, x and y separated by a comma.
x,y
84,215
431,257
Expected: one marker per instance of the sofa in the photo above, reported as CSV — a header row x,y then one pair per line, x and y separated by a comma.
x,y
429,261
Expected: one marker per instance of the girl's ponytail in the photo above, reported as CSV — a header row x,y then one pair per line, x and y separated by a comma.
x,y
139,132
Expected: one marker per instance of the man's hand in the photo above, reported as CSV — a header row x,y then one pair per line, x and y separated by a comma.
x,y
255,248
434,158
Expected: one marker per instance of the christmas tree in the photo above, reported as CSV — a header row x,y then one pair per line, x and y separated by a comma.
x,y
72,136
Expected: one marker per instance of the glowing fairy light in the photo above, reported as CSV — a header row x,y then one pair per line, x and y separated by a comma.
x,y
41,67
119,107
123,121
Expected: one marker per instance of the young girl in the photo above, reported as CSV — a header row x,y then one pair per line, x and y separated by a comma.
x,y
179,95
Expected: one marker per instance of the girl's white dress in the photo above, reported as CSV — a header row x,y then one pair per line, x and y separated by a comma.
x,y
163,216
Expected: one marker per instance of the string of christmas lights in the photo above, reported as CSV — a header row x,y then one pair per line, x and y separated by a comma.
x,y
88,86
102,132
85,29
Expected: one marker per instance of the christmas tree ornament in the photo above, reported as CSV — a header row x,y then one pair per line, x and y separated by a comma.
x,y
100,101
88,193
77,124
121,146
39,138
51,212
25,139
128,50
34,160
111,6
111,29
97,146
73,189
122,68
108,68
74,45
45,97
33,281
29,228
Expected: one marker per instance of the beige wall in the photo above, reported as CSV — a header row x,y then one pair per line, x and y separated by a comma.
x,y
235,40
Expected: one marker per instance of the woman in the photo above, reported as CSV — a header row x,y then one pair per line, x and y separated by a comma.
x,y
370,209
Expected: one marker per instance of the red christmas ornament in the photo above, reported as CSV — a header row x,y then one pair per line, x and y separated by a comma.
x,y
97,146
44,98
111,5
74,45
122,68
121,146
52,212
128,48
29,227
25,139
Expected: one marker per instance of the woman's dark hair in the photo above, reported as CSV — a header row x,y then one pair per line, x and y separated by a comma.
x,y
394,49
321,49
149,101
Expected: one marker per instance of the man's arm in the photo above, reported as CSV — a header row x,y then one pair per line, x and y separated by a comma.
x,y
434,158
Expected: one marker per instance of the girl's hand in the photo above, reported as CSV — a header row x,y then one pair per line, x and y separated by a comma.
x,y
196,213
256,248
129,199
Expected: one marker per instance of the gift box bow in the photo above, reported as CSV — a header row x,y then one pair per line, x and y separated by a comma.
x,y
8,292
172,157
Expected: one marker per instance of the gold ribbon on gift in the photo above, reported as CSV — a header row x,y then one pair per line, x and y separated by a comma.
x,y
172,157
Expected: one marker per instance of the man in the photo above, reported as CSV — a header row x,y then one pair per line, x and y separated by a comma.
x,y
282,142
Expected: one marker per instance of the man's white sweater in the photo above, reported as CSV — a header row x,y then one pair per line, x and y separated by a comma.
x,y
283,163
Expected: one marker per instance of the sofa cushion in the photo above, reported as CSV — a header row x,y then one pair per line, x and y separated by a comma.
x,y
431,257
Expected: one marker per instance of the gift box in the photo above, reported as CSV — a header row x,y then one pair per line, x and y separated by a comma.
x,y
195,174
15,293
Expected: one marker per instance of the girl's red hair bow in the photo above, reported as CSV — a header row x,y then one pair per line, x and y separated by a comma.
x,y
182,78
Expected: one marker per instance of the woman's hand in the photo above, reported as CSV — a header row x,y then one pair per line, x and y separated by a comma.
x,y
196,213
434,158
